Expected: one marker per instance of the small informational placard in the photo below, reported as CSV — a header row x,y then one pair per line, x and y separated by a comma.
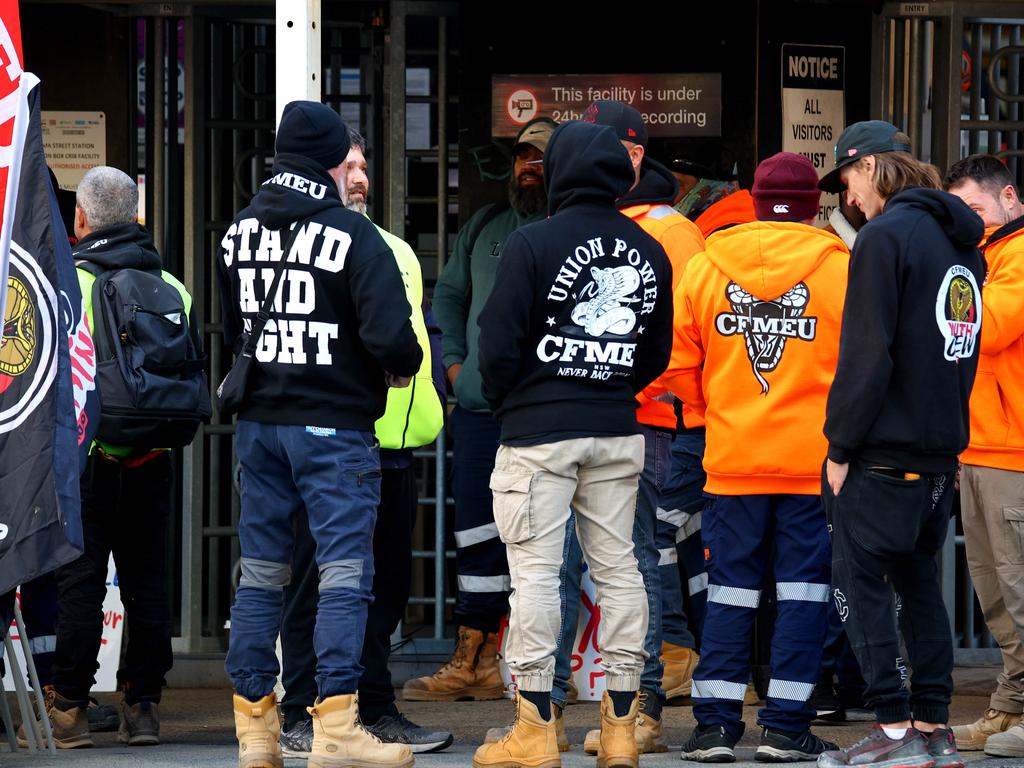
x,y
813,108
671,104
110,641
74,142
915,9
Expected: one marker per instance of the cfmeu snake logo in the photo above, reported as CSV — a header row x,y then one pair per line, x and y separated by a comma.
x,y
766,325
28,351
603,302
958,313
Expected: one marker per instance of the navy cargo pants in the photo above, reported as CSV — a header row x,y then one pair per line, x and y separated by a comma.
x,y
742,535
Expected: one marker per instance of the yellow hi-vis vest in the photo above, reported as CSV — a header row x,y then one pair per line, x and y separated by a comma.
x,y
414,414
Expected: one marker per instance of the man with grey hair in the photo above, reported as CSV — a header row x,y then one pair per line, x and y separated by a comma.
x,y
413,417
126,508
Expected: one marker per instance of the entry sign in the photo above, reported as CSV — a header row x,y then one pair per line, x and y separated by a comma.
x,y
813,108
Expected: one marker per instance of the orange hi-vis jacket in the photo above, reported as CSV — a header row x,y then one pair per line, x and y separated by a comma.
x,y
997,400
757,342
737,208
681,240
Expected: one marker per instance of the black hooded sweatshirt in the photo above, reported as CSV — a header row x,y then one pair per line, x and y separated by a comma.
x,y
341,318
580,316
657,186
909,345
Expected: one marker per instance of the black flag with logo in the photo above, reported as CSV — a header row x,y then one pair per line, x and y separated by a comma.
x,y
47,393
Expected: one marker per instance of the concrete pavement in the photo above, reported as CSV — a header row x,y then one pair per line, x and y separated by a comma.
x,y
197,730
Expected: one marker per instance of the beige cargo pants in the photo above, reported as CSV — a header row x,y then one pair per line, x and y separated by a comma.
x,y
534,487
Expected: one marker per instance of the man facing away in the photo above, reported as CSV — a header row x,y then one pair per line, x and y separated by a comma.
x,y
896,420
578,322
757,339
126,507
462,289
648,203
413,417
339,330
992,471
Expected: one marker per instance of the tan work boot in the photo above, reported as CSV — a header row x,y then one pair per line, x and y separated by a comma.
x,y
678,663
531,742
971,738
647,731
470,674
617,746
340,740
258,729
69,722
498,733
1009,743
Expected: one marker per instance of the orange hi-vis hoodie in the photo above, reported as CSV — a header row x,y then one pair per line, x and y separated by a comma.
x,y
681,240
997,400
757,341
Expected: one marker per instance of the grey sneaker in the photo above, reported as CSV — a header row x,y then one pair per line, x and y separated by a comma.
x,y
398,729
140,724
876,750
297,741
102,717
942,748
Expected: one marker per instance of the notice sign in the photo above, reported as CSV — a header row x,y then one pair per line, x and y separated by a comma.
x,y
74,142
813,107
671,105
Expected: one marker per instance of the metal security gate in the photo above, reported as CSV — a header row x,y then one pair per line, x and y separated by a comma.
x,y
949,74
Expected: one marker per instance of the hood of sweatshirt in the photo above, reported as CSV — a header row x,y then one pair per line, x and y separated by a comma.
x,y
737,208
123,246
297,189
962,226
767,258
657,186
585,163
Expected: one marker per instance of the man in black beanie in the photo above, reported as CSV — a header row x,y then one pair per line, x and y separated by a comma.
x,y
337,336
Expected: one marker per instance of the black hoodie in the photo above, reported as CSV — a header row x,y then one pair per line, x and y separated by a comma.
x,y
657,186
580,316
123,246
342,317
909,345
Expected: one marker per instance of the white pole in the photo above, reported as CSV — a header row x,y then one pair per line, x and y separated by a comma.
x,y
298,52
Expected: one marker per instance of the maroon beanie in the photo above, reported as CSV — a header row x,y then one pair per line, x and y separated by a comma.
x,y
786,188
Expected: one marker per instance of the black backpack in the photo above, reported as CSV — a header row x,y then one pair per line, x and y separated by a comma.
x,y
149,362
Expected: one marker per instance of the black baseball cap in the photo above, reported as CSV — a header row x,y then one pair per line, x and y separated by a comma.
x,y
624,119
870,137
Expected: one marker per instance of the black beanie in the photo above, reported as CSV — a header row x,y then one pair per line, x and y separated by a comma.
x,y
313,130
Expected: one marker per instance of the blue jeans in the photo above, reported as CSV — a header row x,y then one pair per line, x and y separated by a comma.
x,y
333,477
678,538
657,445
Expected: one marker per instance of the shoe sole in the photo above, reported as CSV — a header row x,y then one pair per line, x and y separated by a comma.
x,y
80,742
896,762
949,762
286,752
263,760
554,762
766,754
1005,752
321,761
713,755
466,694
141,741
619,761
435,746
